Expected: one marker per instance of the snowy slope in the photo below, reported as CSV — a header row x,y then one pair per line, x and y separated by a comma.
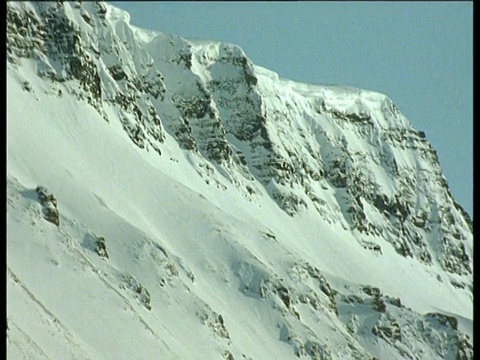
x,y
244,216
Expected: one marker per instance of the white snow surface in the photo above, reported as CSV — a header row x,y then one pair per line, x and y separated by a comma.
x,y
202,250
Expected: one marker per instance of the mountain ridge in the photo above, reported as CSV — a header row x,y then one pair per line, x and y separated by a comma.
x,y
324,155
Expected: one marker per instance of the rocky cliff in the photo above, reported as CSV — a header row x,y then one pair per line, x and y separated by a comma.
x,y
347,154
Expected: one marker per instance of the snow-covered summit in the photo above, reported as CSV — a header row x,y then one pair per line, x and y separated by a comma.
x,y
191,191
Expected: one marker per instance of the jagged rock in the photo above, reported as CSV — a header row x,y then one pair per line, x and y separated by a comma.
x,y
49,202
465,348
454,257
290,202
325,299
44,196
101,247
305,347
379,305
353,299
144,295
405,330
317,351
284,295
117,72
394,301
440,331
403,248
140,292
444,319
353,324
227,355
51,213
27,86
388,329
327,290
372,246
372,291
220,328
216,323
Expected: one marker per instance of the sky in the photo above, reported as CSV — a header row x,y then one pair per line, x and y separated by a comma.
x,y
420,54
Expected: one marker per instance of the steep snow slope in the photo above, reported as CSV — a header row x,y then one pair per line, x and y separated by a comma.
x,y
271,219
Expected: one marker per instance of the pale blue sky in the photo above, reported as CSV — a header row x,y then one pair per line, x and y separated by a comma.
x,y
420,54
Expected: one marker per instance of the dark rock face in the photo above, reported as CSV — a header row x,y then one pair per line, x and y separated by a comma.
x,y
65,53
49,203
202,128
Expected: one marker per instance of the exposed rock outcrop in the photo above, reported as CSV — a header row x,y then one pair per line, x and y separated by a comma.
x,y
49,203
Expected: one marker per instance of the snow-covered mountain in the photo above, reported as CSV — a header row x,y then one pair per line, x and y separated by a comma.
x,y
167,198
